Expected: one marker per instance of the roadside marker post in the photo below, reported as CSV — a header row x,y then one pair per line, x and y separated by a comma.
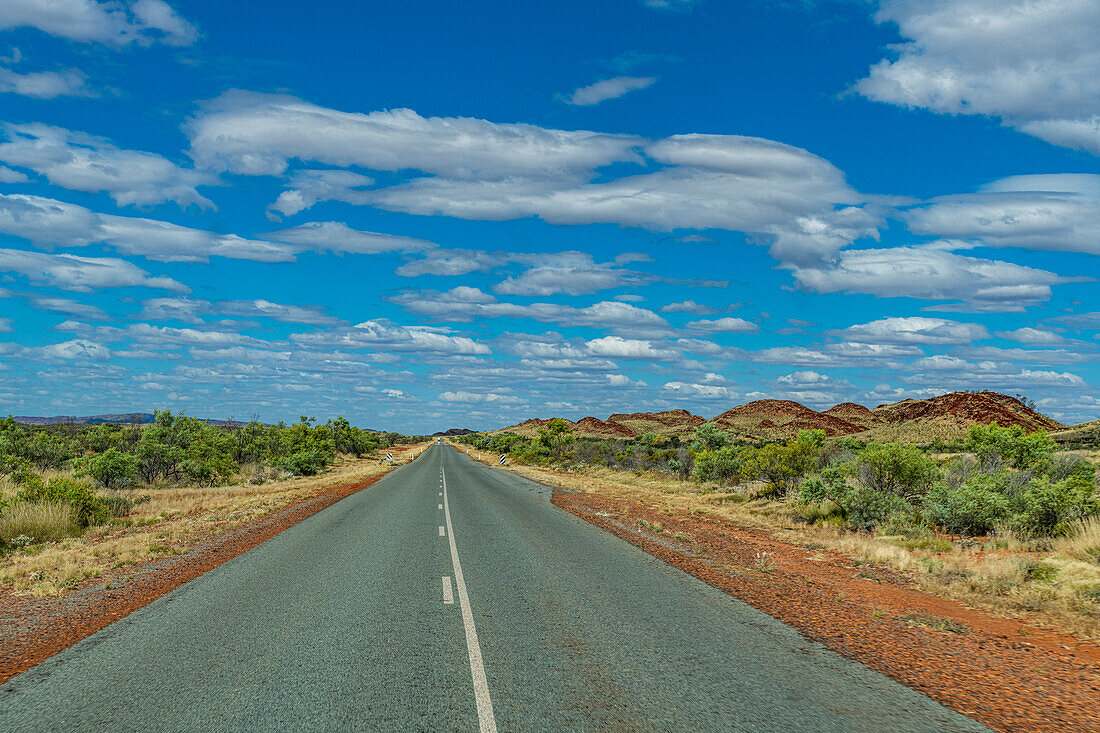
x,y
502,459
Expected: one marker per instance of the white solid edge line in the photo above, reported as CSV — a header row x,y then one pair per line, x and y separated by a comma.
x,y
448,592
486,721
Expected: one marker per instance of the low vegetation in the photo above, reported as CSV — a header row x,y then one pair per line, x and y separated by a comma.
x,y
1009,522
78,499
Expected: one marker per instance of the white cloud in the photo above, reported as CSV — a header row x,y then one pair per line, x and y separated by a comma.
x,y
451,262
574,280
1035,64
67,306
616,347
689,306
784,196
1034,336
383,334
143,22
706,391
82,162
1044,212
723,325
339,238
307,187
476,397
81,274
308,314
931,273
914,330
609,89
5,325
78,350
45,84
803,378
466,304
257,134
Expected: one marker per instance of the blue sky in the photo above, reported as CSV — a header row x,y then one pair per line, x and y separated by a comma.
x,y
422,215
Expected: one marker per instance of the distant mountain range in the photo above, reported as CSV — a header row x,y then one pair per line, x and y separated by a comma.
x,y
946,417
126,418
453,431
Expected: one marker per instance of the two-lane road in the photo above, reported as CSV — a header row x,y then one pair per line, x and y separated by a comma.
x,y
342,622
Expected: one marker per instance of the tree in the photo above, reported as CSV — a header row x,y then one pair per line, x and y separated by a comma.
x,y
895,468
709,437
111,469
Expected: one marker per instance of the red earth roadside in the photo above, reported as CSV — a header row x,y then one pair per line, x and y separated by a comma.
x,y
33,629
1003,673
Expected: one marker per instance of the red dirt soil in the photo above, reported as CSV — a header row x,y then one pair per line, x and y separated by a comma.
x,y
1003,673
33,629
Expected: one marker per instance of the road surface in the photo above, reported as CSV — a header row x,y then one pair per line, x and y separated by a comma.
x,y
342,622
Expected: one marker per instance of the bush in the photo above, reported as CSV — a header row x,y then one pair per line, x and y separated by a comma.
x,y
308,462
1047,508
87,507
111,469
708,437
898,469
993,444
977,506
782,465
722,465
865,508
41,521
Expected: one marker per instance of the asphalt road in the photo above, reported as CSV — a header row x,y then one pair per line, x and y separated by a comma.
x,y
340,623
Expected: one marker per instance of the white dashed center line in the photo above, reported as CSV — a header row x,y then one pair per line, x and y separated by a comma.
x,y
486,721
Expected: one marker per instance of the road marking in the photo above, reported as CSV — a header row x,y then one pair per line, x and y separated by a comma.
x,y
448,593
440,506
440,531
441,493
485,717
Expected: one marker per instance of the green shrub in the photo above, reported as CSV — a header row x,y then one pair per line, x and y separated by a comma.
x,y
977,506
87,507
1047,508
898,469
111,469
865,508
992,443
722,465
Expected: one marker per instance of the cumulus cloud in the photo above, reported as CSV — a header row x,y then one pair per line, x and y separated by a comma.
x,y
1033,336
81,274
914,330
45,84
689,306
258,134
338,238
78,350
784,196
1043,212
612,88
385,335
479,397
5,325
467,304
616,347
142,22
1034,64
723,325
83,162
307,187
931,273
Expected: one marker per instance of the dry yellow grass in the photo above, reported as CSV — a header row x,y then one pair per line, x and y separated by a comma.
x,y
173,521
1057,585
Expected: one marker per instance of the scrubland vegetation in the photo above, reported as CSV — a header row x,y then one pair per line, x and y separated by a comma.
x,y
76,499
1008,522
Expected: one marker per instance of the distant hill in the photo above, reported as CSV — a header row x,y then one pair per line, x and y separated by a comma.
x,y
127,418
453,431
945,417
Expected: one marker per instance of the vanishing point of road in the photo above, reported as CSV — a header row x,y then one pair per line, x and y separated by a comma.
x,y
453,596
